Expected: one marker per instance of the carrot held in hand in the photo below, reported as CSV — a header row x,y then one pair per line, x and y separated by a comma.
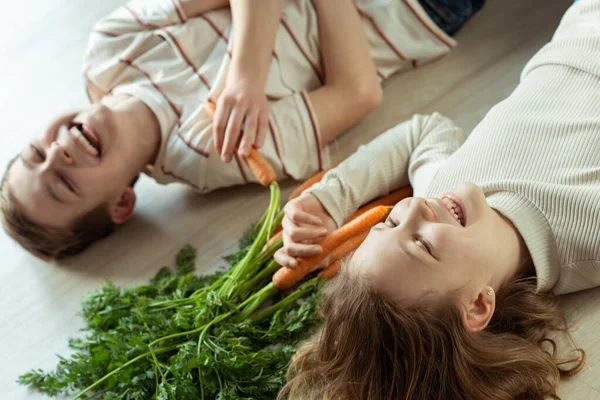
x,y
347,247
273,239
260,167
309,182
332,270
388,200
286,277
210,109
337,256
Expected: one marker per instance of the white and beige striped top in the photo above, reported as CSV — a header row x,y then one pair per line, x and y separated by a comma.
x,y
536,155
150,49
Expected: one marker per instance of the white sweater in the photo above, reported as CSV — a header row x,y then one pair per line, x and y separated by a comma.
x,y
536,155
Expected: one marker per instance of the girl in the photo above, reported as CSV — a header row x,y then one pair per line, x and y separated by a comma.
x,y
453,297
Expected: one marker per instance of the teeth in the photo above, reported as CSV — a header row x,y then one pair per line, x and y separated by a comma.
x,y
454,209
83,140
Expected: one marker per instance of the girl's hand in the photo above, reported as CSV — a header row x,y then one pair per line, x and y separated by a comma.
x,y
305,222
242,116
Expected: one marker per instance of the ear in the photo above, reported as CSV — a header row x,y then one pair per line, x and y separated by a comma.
x,y
122,211
476,315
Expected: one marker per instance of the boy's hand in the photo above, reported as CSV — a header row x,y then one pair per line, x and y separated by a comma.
x,y
305,222
242,116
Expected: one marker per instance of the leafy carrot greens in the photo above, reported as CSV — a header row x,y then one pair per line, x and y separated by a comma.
x,y
183,336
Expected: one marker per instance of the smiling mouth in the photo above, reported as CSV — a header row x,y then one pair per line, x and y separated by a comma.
x,y
86,138
455,208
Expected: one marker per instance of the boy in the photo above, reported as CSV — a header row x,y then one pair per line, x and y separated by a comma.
x,y
288,85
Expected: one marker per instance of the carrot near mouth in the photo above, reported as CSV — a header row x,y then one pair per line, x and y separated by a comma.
x,y
388,200
260,167
286,278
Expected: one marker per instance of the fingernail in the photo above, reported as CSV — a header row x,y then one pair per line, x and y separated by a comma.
x,y
292,263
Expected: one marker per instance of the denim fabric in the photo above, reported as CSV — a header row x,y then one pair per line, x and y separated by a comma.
x,y
451,15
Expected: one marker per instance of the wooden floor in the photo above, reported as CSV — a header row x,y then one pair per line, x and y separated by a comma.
x,y
41,47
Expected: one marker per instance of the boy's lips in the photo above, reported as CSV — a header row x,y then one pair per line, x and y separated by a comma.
x,y
87,138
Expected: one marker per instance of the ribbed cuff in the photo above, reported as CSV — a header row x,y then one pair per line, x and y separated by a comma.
x,y
327,196
536,232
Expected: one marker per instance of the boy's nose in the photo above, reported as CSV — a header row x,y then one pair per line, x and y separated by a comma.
x,y
59,152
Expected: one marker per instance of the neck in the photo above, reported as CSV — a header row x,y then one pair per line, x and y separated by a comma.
x,y
515,259
139,128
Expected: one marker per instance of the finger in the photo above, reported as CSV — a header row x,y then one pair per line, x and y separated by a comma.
x,y
283,259
296,233
303,250
220,123
232,133
298,216
262,129
249,134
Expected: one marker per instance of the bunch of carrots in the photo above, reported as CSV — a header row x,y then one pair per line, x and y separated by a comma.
x,y
336,245
193,342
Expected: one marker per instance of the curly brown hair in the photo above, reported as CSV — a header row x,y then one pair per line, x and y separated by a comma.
x,y
371,348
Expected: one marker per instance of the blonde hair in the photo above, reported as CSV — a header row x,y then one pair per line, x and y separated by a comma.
x,y
46,242
371,348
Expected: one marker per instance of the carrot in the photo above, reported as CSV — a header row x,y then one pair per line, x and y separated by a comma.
x,y
210,109
309,182
332,270
337,256
388,200
273,239
347,247
260,167
286,277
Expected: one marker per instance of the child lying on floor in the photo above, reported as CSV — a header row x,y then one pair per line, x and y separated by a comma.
x,y
453,297
287,77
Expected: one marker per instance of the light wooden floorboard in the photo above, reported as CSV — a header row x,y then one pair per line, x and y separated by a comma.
x,y
41,47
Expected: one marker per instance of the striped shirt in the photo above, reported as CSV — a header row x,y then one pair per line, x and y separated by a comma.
x,y
150,49
536,155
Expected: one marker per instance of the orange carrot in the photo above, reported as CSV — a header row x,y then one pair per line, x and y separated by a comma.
x,y
309,182
388,200
210,109
286,277
347,247
332,269
260,167
273,239
337,256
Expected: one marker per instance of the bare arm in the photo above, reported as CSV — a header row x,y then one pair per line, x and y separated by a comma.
x,y
194,8
243,104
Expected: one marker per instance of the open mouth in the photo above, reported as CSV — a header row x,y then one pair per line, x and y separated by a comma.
x,y
86,138
455,208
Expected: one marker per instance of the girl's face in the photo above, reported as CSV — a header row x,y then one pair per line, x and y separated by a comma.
x,y
434,247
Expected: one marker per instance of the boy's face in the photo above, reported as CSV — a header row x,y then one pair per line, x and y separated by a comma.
x,y
72,167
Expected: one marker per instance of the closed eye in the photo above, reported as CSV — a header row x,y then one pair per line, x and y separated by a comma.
x,y
391,223
67,184
39,153
425,245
